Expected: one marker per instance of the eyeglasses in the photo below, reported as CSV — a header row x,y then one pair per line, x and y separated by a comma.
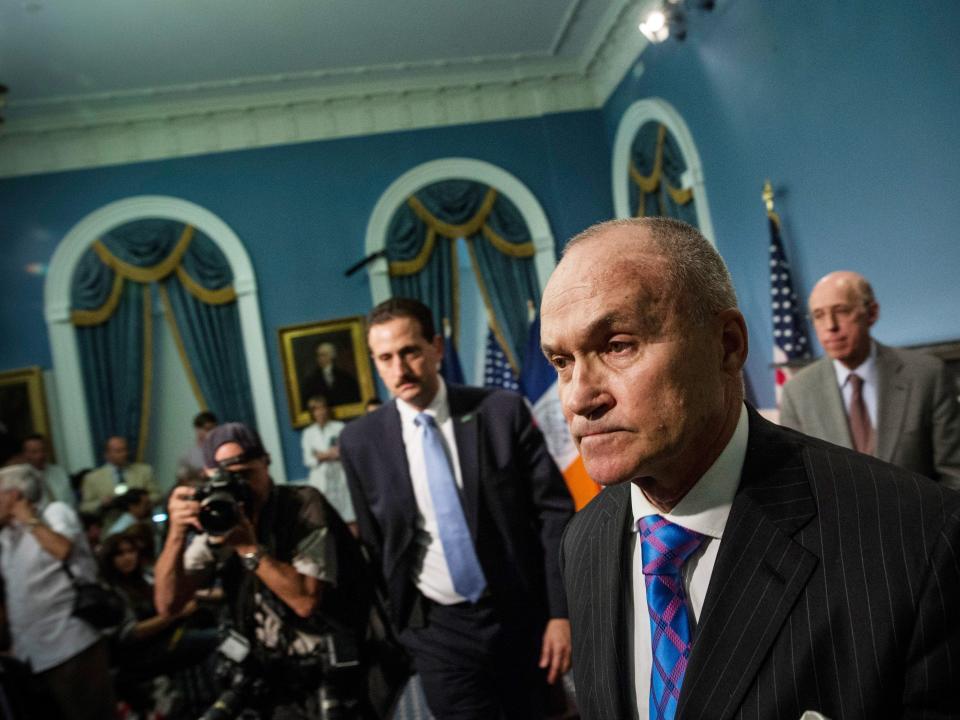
x,y
834,314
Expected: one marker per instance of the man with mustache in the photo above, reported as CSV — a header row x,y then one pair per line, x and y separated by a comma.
x,y
462,508
730,568
897,405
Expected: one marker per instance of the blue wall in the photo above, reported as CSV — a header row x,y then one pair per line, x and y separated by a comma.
x,y
301,211
851,108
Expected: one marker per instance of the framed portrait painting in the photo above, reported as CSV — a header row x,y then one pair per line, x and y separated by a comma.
x,y
23,406
326,358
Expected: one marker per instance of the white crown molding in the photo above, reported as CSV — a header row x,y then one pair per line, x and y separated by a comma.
x,y
153,124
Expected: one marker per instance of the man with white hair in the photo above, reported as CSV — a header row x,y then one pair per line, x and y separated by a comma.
x,y
68,658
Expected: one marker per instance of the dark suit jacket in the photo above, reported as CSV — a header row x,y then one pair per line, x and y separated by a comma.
x,y
836,588
515,500
918,425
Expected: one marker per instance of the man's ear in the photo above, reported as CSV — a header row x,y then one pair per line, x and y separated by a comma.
x,y
873,312
734,341
438,346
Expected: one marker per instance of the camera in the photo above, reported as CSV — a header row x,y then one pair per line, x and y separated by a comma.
x,y
220,498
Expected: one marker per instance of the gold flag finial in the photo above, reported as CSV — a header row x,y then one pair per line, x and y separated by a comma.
x,y
768,195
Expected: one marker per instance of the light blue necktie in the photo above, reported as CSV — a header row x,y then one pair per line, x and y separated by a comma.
x,y
465,570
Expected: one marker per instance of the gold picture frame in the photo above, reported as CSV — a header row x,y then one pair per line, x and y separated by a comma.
x,y
346,379
23,406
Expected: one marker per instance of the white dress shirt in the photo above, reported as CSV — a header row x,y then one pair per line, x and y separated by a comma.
x,y
704,509
432,574
867,370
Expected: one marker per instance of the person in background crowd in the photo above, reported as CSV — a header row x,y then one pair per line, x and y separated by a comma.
x,y
898,405
461,508
137,521
113,478
730,568
148,644
322,457
56,483
190,465
70,676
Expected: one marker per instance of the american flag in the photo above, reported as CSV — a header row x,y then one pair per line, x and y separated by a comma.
x,y
790,344
496,368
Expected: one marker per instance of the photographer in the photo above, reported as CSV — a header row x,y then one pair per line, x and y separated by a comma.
x,y
289,568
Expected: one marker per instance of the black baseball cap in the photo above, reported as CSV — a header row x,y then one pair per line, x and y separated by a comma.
x,y
235,432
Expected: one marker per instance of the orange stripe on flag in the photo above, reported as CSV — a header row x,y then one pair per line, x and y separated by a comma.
x,y
579,483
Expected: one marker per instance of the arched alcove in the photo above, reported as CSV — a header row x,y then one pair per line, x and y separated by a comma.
x,y
659,111
69,382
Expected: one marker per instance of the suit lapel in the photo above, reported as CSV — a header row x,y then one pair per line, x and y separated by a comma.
x,y
834,418
608,587
466,430
393,455
893,390
759,574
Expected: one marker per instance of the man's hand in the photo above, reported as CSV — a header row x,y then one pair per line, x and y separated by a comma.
x,y
23,510
242,537
183,511
556,652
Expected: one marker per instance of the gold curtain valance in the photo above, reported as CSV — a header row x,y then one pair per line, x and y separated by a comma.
x,y
154,273
650,183
435,227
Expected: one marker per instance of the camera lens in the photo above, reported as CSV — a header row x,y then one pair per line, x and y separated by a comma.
x,y
219,513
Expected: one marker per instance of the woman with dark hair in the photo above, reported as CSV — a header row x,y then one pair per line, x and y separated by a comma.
x,y
148,645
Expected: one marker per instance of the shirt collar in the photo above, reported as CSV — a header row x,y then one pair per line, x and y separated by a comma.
x,y
438,407
705,508
867,370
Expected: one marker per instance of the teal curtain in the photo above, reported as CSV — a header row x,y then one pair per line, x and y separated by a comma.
x,y
656,155
111,354
211,333
113,334
442,212
434,284
511,281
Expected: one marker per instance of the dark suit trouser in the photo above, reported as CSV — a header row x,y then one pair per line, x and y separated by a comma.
x,y
475,664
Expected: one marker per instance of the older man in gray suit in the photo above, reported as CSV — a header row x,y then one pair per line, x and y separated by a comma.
x,y
898,405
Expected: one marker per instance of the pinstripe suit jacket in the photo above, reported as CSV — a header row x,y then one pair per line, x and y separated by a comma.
x,y
836,588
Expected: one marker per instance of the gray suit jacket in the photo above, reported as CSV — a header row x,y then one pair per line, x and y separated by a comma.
x,y
918,425
835,589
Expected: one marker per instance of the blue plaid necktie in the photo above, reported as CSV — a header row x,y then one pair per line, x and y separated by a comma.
x,y
664,548
465,570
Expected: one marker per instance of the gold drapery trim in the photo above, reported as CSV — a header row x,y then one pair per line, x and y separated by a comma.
x,y
491,316
103,313
455,292
435,226
146,274
470,227
517,250
147,373
181,348
650,183
211,297
417,263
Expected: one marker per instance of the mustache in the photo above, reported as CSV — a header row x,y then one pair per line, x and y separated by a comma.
x,y
404,379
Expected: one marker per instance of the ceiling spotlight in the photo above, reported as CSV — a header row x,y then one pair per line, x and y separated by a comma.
x,y
669,20
655,28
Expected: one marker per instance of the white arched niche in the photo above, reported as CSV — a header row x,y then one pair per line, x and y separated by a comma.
x,y
63,341
456,169
660,111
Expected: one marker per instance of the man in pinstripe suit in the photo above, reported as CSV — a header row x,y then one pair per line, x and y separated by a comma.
x,y
822,579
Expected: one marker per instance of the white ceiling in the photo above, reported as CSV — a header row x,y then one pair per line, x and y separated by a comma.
x,y
78,67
